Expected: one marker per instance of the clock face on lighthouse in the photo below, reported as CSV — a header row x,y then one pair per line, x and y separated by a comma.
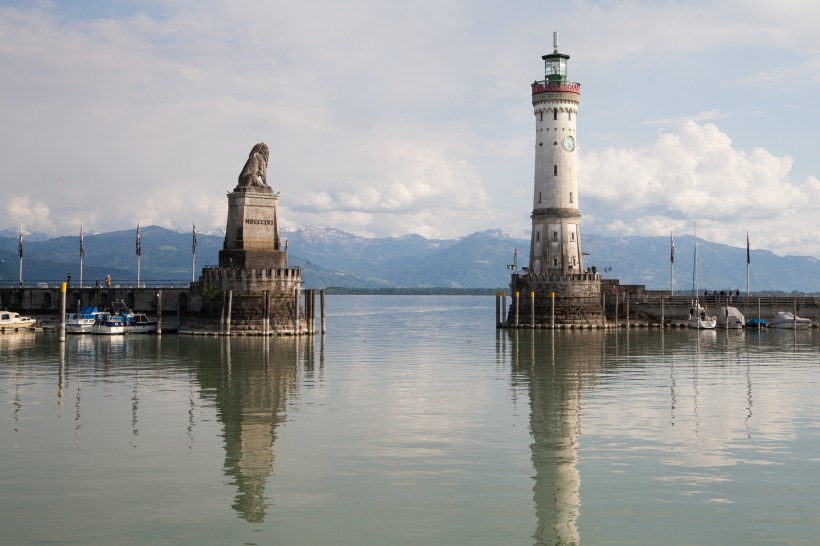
x,y
568,143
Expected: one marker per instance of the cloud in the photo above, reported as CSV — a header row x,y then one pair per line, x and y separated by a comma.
x,y
695,175
391,118
33,216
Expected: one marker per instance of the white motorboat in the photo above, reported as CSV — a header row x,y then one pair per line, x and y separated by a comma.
x,y
108,324
82,322
11,321
730,317
787,320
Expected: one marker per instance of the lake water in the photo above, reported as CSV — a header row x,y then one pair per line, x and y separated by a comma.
x,y
412,421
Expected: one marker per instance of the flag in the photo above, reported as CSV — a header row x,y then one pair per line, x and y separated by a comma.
x,y
673,249
20,244
748,251
139,246
193,243
82,242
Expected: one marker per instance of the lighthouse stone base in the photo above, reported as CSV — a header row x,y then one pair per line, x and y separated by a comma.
x,y
577,299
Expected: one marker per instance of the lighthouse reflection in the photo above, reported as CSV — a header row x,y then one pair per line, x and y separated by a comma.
x,y
255,379
554,378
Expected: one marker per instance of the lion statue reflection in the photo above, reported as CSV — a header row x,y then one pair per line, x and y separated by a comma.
x,y
254,173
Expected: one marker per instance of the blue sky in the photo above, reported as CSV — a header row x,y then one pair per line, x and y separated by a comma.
x,y
387,118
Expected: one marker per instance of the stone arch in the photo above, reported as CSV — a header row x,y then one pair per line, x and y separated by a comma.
x,y
182,301
47,300
129,300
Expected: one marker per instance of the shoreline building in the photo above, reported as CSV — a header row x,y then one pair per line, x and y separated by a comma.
x,y
556,260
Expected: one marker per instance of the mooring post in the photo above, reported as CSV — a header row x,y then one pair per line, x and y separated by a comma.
x,y
159,312
505,317
794,314
62,312
603,307
228,317
222,313
552,311
497,309
322,301
663,322
532,309
265,311
759,318
617,300
626,297
312,326
517,294
296,311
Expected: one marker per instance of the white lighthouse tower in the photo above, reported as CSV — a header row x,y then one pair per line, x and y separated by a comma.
x,y
556,261
556,219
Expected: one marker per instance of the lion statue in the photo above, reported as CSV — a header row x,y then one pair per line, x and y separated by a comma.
x,y
254,173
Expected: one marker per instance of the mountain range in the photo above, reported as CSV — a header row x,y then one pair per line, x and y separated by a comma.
x,y
333,258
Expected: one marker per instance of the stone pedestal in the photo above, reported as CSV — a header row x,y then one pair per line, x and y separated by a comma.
x,y
252,232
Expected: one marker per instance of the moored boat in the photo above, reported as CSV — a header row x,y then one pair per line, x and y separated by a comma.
x,y
730,317
82,322
11,321
108,324
135,323
756,322
699,319
787,320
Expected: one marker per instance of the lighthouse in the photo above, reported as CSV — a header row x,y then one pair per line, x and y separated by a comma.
x,y
556,264
556,219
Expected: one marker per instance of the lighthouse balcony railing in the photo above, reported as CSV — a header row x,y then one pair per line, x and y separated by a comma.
x,y
546,86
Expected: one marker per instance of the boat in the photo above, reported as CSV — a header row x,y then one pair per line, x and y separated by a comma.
x,y
701,320
730,317
787,320
107,323
756,323
11,321
698,317
122,320
83,321
135,323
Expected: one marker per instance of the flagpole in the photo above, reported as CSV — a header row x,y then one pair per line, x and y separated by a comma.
x,y
82,252
672,266
139,253
748,262
20,253
193,256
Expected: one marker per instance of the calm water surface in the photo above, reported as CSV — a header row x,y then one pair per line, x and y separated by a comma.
x,y
412,421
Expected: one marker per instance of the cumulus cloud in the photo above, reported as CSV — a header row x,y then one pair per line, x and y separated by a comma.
x,y
694,174
32,215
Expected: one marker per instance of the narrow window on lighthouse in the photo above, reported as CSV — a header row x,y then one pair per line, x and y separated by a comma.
x,y
555,170
539,196
555,262
570,197
569,113
554,235
572,236
542,115
537,237
555,113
